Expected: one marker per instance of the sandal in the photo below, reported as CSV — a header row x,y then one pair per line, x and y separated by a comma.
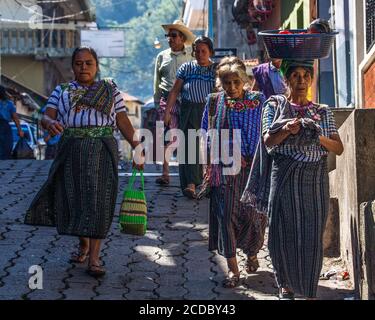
x,y
95,271
163,180
252,264
231,280
79,257
286,295
190,193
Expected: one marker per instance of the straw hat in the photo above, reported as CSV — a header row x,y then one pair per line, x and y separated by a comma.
x,y
180,26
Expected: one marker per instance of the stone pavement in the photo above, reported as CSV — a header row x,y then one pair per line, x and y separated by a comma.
x,y
170,262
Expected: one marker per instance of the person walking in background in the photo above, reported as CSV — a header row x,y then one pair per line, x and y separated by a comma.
x,y
80,194
268,78
289,180
7,113
167,63
195,81
52,145
232,224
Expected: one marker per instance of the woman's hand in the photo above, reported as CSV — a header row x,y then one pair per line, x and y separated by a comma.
x,y
54,128
139,157
243,162
139,167
293,127
21,134
171,101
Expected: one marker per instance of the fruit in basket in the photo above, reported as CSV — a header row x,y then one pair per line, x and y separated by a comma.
x,y
285,32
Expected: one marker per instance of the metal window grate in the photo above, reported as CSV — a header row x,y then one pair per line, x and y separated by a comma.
x,y
370,24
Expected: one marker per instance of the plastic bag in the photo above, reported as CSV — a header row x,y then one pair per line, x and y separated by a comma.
x,y
22,150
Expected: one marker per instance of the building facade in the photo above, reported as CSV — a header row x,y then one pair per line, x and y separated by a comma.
x,y
37,39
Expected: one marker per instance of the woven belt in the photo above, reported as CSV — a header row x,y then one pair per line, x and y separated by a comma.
x,y
95,132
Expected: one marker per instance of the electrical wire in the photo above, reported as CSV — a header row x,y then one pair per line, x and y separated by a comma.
x,y
48,18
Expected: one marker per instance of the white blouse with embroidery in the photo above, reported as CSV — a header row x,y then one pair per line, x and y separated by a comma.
x,y
60,100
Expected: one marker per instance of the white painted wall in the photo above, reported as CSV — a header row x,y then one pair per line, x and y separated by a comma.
x,y
196,14
229,34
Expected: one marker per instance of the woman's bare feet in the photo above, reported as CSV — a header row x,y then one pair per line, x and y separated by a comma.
x,y
83,251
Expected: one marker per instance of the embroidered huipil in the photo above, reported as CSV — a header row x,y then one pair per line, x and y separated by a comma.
x,y
61,100
247,120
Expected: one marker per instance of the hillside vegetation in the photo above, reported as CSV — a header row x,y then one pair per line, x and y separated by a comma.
x,y
141,22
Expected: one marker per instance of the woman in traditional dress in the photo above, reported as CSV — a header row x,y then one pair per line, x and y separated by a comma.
x,y
233,225
195,81
79,196
289,179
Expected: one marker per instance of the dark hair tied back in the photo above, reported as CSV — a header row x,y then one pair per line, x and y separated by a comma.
x,y
85,48
206,40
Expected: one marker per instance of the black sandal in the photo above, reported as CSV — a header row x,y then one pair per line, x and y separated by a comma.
x,y
95,271
190,193
231,280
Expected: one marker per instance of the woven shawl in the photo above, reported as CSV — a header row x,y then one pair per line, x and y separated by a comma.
x,y
257,189
98,96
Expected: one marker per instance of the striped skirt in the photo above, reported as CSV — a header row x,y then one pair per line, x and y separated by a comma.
x,y
79,196
190,118
298,208
174,113
233,224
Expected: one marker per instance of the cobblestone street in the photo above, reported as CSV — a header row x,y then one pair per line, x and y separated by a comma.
x,y
170,262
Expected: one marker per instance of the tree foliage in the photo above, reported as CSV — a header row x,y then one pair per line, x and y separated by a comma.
x,y
134,72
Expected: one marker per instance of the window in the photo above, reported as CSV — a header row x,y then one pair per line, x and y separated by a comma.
x,y
370,24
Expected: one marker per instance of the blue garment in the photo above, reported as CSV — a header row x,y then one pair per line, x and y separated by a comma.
x,y
7,108
269,80
248,121
277,80
53,140
198,81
